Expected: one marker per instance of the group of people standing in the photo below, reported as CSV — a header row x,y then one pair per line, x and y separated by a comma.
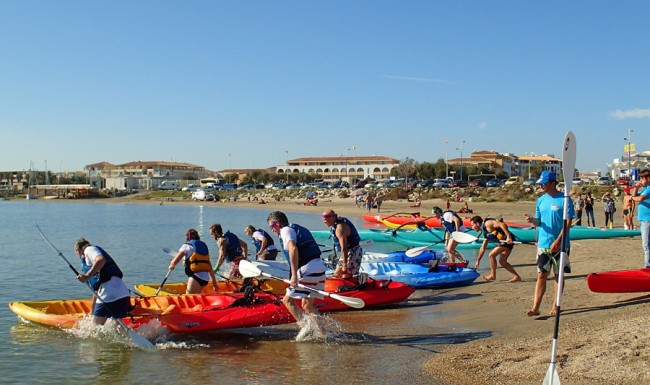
x,y
586,205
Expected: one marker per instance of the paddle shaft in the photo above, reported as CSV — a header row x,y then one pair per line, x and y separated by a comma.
x,y
163,282
135,337
568,169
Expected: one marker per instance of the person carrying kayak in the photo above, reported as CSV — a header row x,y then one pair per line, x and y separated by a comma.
x,y
451,222
196,258
231,249
346,241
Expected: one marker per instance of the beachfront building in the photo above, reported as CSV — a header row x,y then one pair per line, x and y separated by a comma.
x,y
629,164
348,168
147,175
511,164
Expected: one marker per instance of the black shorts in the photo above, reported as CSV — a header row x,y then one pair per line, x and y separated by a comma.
x,y
201,282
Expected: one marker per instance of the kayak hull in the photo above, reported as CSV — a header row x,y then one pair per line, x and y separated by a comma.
x,y
419,276
179,314
624,281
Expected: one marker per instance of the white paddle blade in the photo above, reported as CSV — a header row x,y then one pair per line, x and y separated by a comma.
x,y
247,269
415,251
461,237
551,377
353,302
137,339
568,161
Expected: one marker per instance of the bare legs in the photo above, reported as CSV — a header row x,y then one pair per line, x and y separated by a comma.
x,y
540,289
503,254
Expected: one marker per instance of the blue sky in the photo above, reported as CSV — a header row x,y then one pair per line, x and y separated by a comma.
x,y
88,81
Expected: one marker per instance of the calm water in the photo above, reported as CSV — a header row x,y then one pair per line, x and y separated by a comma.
x,y
376,346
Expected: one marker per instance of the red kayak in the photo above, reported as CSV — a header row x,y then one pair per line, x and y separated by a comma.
x,y
626,281
414,218
373,292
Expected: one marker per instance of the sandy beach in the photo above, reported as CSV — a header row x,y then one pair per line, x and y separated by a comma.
x,y
602,339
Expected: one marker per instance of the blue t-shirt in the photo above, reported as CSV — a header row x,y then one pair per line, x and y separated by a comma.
x,y
644,207
550,211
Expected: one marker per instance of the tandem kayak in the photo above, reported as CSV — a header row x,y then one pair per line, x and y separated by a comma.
x,y
179,314
400,256
624,281
420,276
223,287
411,220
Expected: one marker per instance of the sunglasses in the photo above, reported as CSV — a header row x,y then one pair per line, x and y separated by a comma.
x,y
328,216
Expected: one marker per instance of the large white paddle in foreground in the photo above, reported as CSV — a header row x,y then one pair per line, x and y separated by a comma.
x,y
137,339
248,269
568,169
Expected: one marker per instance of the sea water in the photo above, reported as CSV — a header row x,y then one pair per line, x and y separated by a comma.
x,y
382,346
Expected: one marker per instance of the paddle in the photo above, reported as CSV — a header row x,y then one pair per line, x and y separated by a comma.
x,y
461,237
137,339
163,282
415,251
248,269
568,169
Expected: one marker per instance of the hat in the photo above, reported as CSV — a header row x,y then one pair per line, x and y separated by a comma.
x,y
546,176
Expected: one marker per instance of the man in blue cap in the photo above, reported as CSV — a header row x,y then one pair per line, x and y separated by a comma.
x,y
549,213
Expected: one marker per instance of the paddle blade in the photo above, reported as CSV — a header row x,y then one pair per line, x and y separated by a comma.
x,y
137,339
568,161
247,269
353,302
415,251
461,237
551,377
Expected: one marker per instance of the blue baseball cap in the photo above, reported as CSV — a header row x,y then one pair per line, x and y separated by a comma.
x,y
546,176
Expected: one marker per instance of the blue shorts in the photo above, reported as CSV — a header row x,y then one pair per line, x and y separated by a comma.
x,y
118,308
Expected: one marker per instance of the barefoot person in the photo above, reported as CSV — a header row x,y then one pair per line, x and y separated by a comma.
x,y
549,212
628,208
451,222
196,259
346,242
495,231
306,268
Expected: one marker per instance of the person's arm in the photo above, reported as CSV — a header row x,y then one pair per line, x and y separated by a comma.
x,y
176,259
244,248
343,241
263,244
293,262
221,246
557,243
94,269
481,251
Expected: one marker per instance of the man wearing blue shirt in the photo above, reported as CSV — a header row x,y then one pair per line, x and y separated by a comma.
x,y
640,194
549,212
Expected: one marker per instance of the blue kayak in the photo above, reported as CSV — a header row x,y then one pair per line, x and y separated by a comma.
x,y
400,256
419,275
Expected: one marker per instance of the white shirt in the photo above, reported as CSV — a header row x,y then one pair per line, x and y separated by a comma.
x,y
111,290
260,237
288,234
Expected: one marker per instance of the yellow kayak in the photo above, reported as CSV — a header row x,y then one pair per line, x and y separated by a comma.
x,y
224,287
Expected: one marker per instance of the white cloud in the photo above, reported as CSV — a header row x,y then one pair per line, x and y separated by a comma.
x,y
428,80
637,113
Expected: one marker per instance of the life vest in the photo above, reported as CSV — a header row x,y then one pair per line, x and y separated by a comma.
x,y
495,235
233,248
107,272
353,239
450,226
307,247
258,243
199,260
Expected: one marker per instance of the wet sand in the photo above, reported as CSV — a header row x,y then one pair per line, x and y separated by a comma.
x,y
603,338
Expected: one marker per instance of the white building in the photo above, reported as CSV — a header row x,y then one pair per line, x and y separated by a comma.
x,y
140,175
342,167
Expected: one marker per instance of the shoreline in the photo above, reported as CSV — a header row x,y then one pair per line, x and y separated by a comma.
x,y
602,338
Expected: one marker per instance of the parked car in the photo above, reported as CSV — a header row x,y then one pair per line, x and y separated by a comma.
x,y
443,183
361,184
577,181
477,183
605,181
424,183
202,195
530,182
191,187
624,181
459,183
494,183
514,180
